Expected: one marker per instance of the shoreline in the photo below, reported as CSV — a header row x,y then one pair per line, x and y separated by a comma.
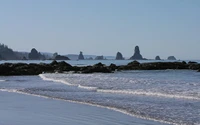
x,y
132,120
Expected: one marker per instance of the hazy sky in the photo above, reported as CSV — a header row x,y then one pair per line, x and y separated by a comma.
x,y
103,27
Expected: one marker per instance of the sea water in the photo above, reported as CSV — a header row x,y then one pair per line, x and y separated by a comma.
x,y
168,96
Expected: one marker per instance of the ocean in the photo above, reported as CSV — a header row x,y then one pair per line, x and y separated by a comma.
x,y
166,96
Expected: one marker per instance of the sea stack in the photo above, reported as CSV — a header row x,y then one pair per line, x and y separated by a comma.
x,y
157,58
171,58
119,56
137,55
81,57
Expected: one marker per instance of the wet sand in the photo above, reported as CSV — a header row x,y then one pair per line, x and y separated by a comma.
x,y
20,109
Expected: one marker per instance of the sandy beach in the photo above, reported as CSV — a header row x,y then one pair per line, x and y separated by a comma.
x,y
19,109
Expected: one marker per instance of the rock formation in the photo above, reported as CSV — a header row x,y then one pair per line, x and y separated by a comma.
x,y
59,57
137,55
34,55
8,69
157,58
99,58
81,57
119,56
171,58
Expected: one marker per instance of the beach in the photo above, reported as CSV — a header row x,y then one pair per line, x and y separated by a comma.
x,y
20,109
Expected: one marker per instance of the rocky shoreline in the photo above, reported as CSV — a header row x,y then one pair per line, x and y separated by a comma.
x,y
9,69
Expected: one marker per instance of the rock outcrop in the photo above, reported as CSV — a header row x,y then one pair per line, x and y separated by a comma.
x,y
35,55
80,56
171,58
157,58
59,57
8,69
99,58
119,56
137,55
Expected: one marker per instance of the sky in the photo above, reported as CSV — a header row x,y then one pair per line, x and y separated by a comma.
x,y
103,27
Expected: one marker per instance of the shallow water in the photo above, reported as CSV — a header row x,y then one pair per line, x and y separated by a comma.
x,y
170,96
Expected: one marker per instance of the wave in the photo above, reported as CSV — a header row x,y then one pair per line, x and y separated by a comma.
x,y
55,80
148,94
67,83
131,92
88,87
2,80
87,103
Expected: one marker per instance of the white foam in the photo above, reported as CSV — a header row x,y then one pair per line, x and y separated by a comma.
x,y
2,80
8,90
55,80
87,87
148,94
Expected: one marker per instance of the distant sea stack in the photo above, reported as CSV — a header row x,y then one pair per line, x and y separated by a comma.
x,y
81,57
157,58
99,58
35,55
119,56
137,55
171,58
59,57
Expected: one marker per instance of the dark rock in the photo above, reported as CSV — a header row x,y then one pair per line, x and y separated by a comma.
x,y
113,67
191,62
119,56
99,58
137,55
53,63
157,58
96,68
134,63
81,57
59,57
35,55
194,66
184,62
171,58
63,66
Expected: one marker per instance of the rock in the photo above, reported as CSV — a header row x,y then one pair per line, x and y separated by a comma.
x,y
157,58
134,63
171,58
137,55
96,68
63,66
113,67
192,62
119,56
81,57
99,58
59,57
35,55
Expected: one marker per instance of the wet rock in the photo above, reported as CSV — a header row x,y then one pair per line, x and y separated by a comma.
x,y
97,68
